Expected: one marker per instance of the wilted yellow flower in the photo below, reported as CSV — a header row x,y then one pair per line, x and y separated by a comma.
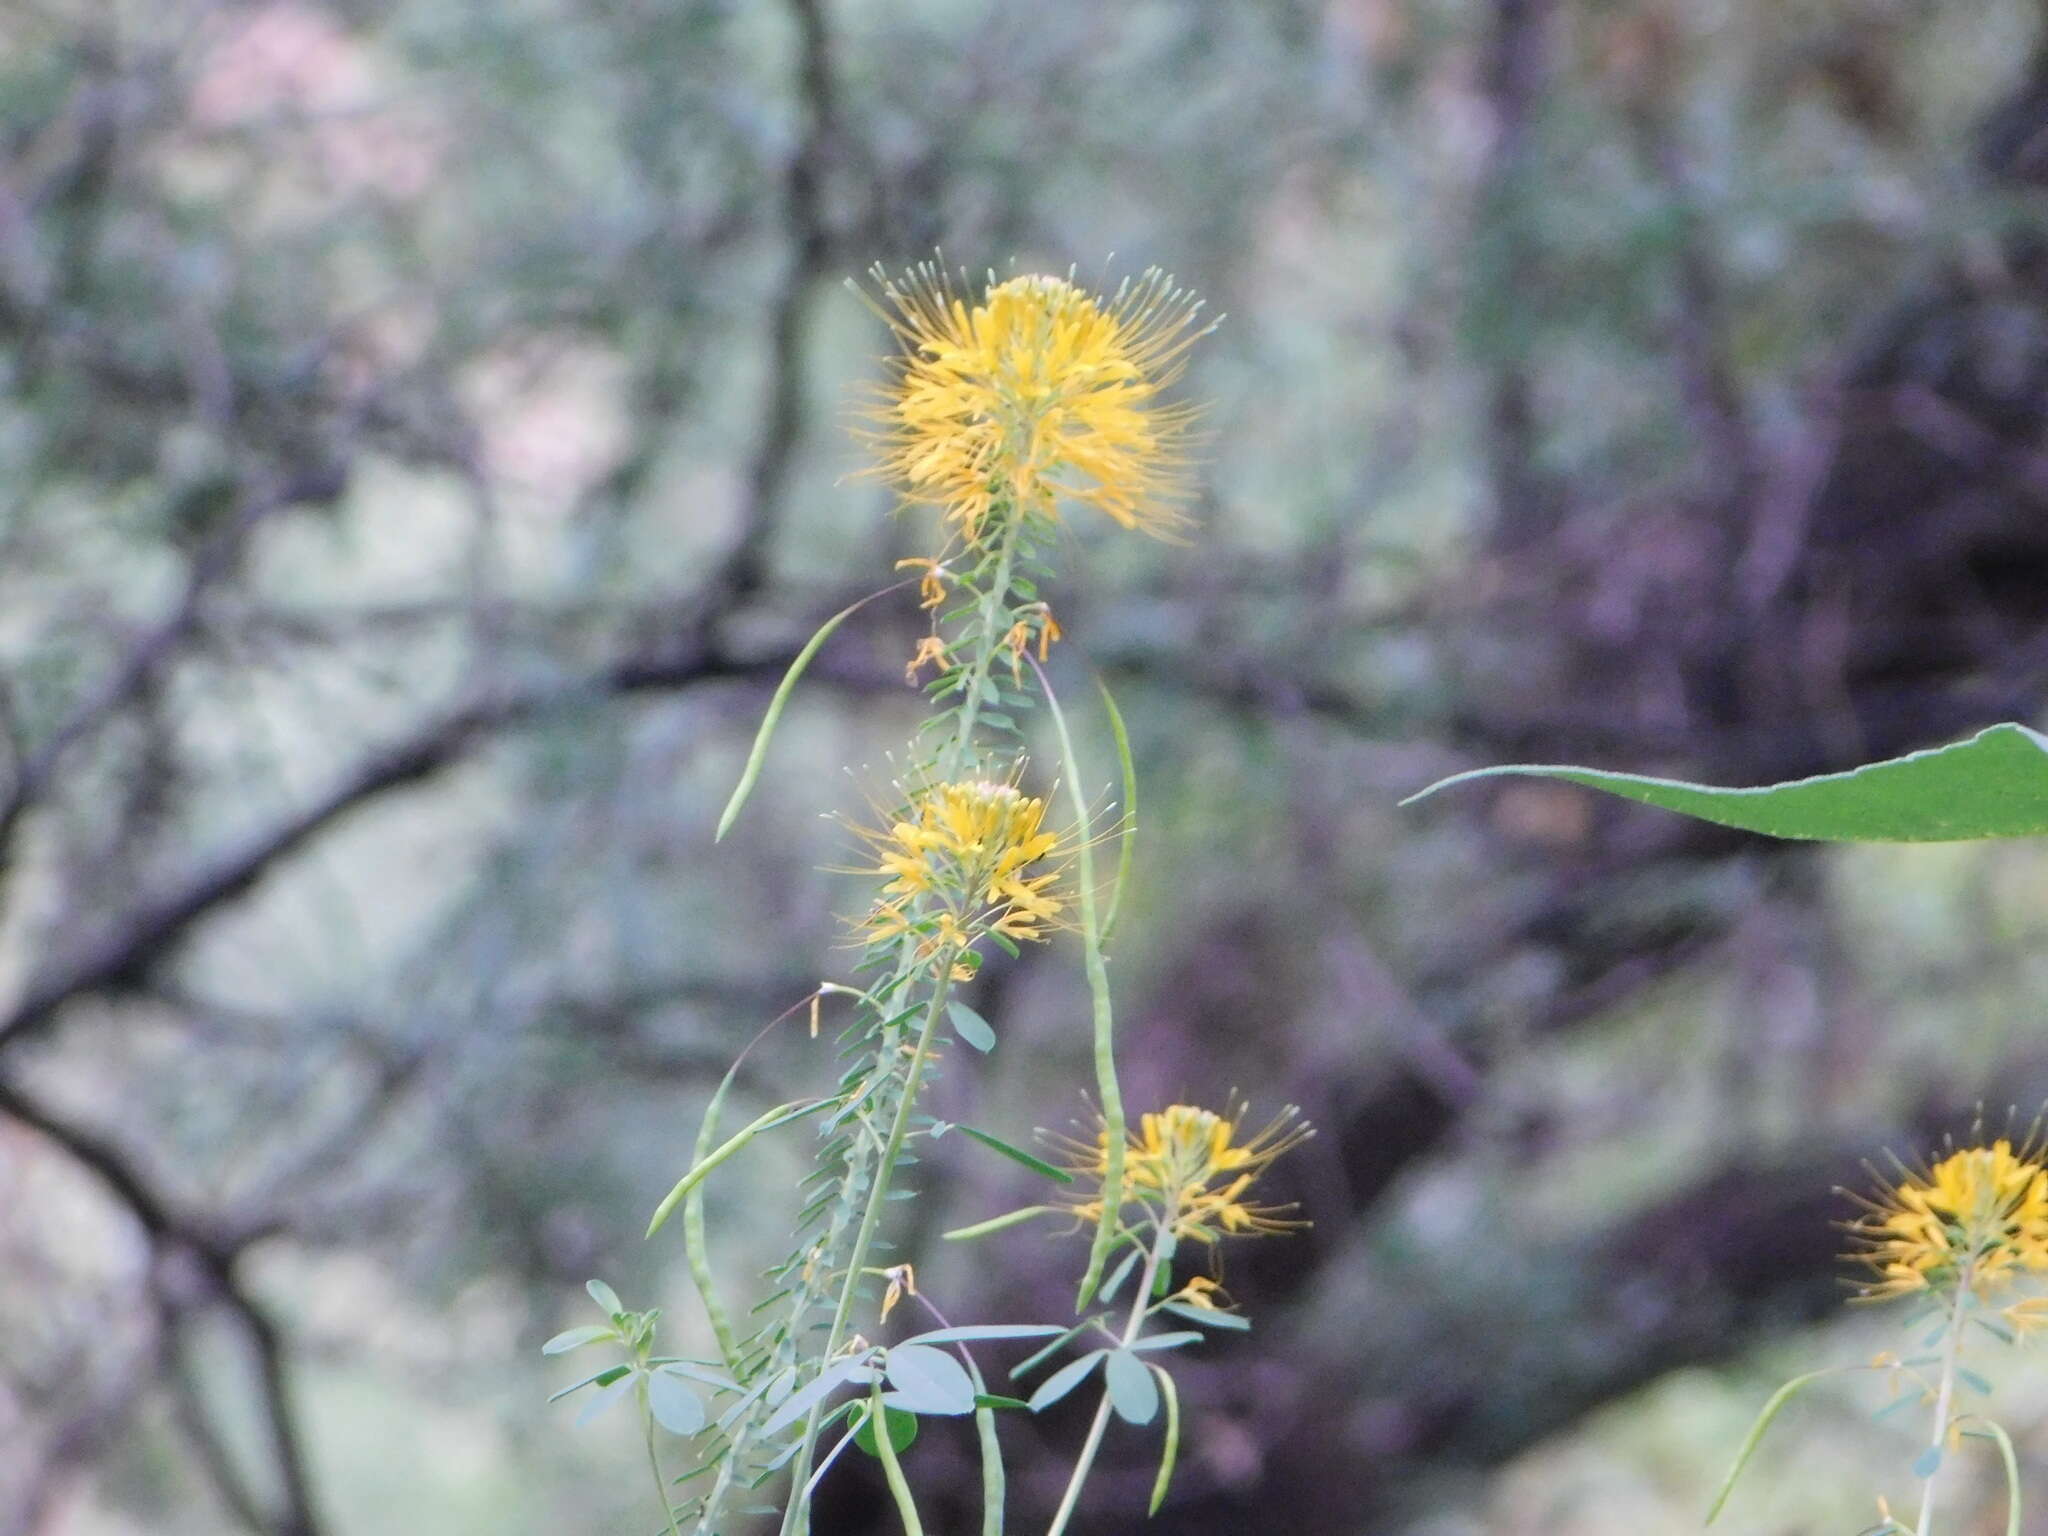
x,y
1040,393
1975,1219
969,858
1185,1167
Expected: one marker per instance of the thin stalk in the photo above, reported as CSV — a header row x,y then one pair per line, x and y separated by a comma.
x,y
1107,1089
1944,1398
976,678
892,1469
1141,1306
668,1510
795,1518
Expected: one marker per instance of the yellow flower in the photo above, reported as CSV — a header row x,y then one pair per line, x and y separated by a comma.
x,y
1201,1293
1040,393
1975,1219
931,652
931,586
1185,1167
966,859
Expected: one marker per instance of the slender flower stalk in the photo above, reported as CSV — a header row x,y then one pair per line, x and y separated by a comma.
x,y
1944,1396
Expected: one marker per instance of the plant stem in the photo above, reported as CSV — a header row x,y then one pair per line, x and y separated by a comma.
x,y
892,1469
976,678
1141,1306
668,1510
794,1518
1944,1398
1103,1015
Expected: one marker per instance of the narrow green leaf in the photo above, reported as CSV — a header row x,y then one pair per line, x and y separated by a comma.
x,y
1065,1379
975,1331
1024,1368
605,1400
998,1401
1207,1317
758,753
576,1338
1165,1341
971,1027
1169,1453
1132,1391
1993,785
605,1297
800,1402
1771,1409
603,1378
1117,1277
1017,1154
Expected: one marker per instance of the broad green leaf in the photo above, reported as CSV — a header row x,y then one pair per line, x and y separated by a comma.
x,y
1993,785
576,1338
1928,1462
971,1027
1132,1391
1065,1379
675,1407
928,1380
900,1423
605,1297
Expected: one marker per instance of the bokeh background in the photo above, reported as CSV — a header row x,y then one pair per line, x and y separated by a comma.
x,y
423,443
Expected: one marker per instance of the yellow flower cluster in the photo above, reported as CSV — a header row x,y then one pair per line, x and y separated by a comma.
x,y
1975,1220
969,858
1186,1168
1038,394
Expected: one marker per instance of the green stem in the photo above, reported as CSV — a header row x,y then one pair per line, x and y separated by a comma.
x,y
1944,1398
1104,1016
976,677
668,1509
891,1467
1141,1307
794,1519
